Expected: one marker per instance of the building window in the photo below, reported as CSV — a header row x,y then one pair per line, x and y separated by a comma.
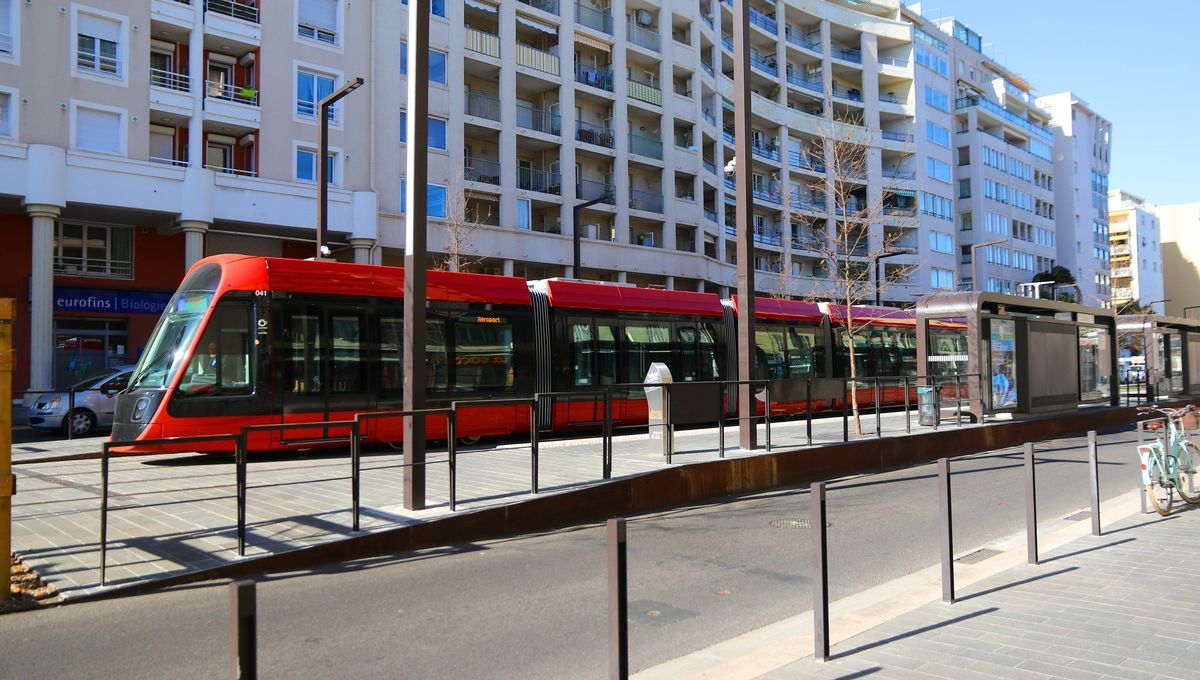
x,y
7,127
942,279
437,133
8,22
311,88
524,214
317,20
93,250
941,243
435,198
437,67
937,99
437,8
938,170
306,169
403,196
99,129
403,57
98,45
937,134
964,222
403,127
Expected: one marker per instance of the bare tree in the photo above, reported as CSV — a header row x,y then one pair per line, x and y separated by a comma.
x,y
466,213
846,245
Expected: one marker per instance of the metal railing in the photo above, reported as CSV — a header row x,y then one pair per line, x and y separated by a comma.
x,y
538,120
767,195
710,215
481,170
900,174
643,37
162,160
768,67
644,92
238,9
76,265
229,170
482,105
482,42
597,135
896,136
550,6
801,41
645,200
851,54
599,78
243,94
536,59
591,190
169,80
799,159
1000,111
767,151
88,60
894,61
708,68
763,21
813,84
709,118
849,94
542,181
645,146
710,166
601,20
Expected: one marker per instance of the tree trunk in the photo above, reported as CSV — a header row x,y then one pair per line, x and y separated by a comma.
x,y
854,390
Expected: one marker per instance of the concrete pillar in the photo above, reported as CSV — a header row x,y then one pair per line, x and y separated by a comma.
x,y
197,71
670,283
41,297
622,277
193,241
362,249
508,268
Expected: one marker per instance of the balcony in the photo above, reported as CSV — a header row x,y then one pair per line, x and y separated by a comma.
x,y
541,181
799,159
767,151
648,147
1120,250
238,104
802,202
708,68
550,6
709,117
764,21
710,215
591,190
481,170
169,80
900,174
482,106
807,243
600,20
1122,272
483,42
538,120
767,66
599,78
895,210
849,94
802,41
896,136
709,165
767,237
643,37
227,170
850,54
237,9
597,135
536,59
766,195
645,200
169,92
813,84
644,93
1001,112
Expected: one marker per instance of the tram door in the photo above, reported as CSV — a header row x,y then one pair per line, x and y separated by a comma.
x,y
320,364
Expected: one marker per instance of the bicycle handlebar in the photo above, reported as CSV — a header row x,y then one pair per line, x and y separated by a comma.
x,y
1168,412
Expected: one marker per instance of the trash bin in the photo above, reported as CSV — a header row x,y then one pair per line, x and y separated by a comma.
x,y
661,431
929,400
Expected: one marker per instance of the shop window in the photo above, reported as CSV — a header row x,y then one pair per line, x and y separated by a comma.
x,y
93,250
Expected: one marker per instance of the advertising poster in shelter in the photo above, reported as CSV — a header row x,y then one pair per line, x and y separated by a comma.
x,y
1004,364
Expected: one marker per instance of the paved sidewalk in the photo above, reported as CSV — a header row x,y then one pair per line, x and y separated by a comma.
x,y
1121,605
170,514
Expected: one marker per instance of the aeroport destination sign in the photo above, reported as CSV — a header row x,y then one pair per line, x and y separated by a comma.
x,y
109,301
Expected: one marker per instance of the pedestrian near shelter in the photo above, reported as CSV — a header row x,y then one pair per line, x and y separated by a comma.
x,y
1021,356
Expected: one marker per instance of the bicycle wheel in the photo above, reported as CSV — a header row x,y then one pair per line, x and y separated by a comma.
x,y
1189,477
1160,491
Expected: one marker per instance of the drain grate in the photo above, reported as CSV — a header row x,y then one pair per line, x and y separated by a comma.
x,y
795,524
977,556
1080,516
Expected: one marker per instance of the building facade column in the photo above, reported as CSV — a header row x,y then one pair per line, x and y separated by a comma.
x,y
193,241
41,296
507,268
362,249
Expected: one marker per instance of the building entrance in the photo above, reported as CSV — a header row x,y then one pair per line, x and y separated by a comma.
x,y
85,347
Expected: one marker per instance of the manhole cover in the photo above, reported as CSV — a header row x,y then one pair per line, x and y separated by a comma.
x,y
794,524
977,556
1079,516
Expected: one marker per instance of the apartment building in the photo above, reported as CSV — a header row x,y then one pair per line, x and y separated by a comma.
x,y
1081,164
1136,248
1180,225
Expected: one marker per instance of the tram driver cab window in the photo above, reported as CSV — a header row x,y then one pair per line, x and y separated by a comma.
x,y
221,363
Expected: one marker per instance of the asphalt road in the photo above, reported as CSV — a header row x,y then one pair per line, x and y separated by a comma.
x,y
536,606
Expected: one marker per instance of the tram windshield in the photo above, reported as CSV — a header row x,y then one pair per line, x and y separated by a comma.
x,y
168,347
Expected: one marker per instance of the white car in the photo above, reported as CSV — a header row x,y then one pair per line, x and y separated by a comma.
x,y
95,400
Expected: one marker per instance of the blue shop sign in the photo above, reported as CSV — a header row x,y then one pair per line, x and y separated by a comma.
x,y
109,301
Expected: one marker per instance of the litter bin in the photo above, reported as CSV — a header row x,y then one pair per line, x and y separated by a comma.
x,y
929,400
661,440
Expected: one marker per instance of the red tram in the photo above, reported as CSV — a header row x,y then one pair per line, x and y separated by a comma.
x,y
253,340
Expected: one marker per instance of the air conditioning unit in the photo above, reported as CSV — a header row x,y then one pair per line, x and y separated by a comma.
x,y
246,139
591,231
644,17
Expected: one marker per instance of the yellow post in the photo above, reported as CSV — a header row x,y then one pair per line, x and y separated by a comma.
x,y
8,483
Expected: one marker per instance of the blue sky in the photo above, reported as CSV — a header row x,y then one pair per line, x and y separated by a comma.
x,y
1136,63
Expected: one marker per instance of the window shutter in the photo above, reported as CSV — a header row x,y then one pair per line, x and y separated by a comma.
x,y
322,13
97,130
97,27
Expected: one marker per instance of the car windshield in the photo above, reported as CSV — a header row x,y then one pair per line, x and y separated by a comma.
x,y
172,337
95,379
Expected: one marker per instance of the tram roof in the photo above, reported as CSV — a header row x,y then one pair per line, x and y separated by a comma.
x,y
788,310
583,295
892,316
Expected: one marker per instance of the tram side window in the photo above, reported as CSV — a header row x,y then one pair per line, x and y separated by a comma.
x,y
646,343
391,354
348,367
301,352
861,358
806,353
437,363
770,356
710,359
685,336
582,350
221,362
483,353
606,352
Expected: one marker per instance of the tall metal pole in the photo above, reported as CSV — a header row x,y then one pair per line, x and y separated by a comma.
x,y
577,234
415,257
8,483
743,212
974,248
322,160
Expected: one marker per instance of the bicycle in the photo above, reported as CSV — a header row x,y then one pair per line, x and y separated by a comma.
x,y
1169,468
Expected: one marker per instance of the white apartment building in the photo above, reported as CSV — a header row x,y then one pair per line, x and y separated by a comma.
x,y
1136,248
1081,164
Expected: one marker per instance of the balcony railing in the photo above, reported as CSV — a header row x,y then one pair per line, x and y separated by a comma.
x,y
802,202
768,67
536,59
850,94
538,120
802,41
709,118
770,238
244,94
900,210
238,9
764,21
900,174
896,136
89,60
799,159
645,146
851,54
709,166
708,20
168,161
646,93
542,181
645,200
767,195
727,135
643,37
813,84
996,109
169,80
894,61
590,190
808,243
708,68
483,42
481,170
730,183
595,134
599,78
767,151
227,170
710,215
482,106
727,41
601,20
550,6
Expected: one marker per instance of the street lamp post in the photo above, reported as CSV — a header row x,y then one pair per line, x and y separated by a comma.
x,y
875,269
743,214
323,108
1185,310
608,196
1164,301
975,247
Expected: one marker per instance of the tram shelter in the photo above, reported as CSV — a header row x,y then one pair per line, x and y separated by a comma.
x,y
1020,356
1161,352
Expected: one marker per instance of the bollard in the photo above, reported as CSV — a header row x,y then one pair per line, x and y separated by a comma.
x,y
103,513
1031,538
946,514
1141,430
878,423
721,424
243,614
8,482
957,400
355,469
767,392
606,453
70,413
1094,479
618,601
820,572
668,430
533,447
845,413
240,458
808,409
452,456
907,419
